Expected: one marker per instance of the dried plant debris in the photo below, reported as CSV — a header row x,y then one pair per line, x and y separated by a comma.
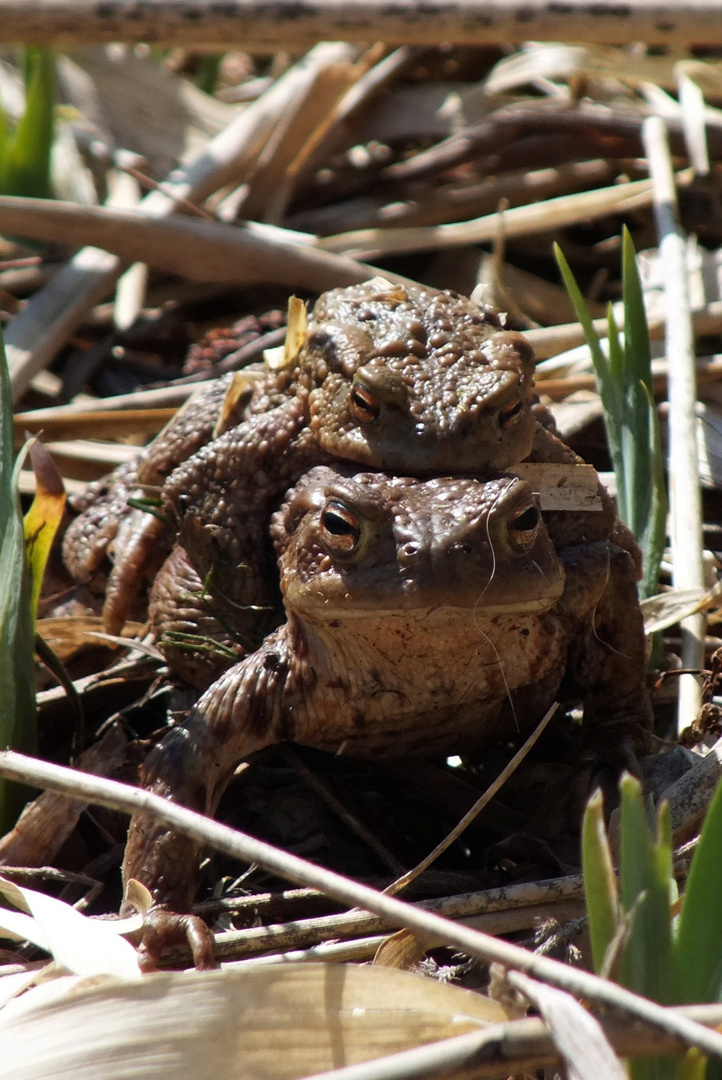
x,y
228,182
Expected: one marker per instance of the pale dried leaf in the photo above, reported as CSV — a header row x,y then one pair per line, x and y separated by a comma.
x,y
561,487
19,927
578,1036
401,950
16,983
668,608
238,388
142,106
77,943
537,61
274,358
138,896
67,634
296,331
262,1024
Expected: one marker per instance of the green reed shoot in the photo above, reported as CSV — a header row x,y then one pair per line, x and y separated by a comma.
x,y
637,937
624,378
25,150
17,655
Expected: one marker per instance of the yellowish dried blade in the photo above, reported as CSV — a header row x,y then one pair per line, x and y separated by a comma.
x,y
42,519
239,388
296,333
401,950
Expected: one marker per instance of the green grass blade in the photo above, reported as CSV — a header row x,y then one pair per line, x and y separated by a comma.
x,y
698,944
600,883
17,656
645,885
209,72
582,311
4,135
607,372
653,533
615,416
647,890
625,387
25,163
636,332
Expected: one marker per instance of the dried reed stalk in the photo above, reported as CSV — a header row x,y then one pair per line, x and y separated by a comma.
x,y
272,23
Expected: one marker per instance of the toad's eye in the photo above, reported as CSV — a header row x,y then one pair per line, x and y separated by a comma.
x,y
524,526
364,405
510,413
340,528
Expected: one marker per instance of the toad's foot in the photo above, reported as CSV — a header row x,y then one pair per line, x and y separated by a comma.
x,y
101,509
163,929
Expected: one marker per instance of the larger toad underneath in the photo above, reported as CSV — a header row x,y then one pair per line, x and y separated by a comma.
x,y
422,617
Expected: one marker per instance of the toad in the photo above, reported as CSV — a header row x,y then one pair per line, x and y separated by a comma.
x,y
398,377
422,617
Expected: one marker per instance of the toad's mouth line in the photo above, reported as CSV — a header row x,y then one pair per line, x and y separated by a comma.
x,y
428,609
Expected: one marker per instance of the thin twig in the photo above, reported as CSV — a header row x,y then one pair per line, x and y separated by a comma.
x,y
240,846
551,340
476,809
305,933
518,221
685,494
263,24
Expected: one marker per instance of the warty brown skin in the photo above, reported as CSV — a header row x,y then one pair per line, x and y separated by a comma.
x,y
423,617
403,378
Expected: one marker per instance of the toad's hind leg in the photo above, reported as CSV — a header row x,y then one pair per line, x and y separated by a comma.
x,y
223,497
200,634
607,660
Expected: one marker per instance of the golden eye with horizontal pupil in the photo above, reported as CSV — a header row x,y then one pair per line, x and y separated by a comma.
x,y
510,413
364,405
524,526
340,528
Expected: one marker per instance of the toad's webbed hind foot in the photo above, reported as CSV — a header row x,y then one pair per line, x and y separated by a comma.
x,y
163,929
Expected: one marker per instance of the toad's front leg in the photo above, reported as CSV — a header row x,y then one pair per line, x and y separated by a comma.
x,y
192,765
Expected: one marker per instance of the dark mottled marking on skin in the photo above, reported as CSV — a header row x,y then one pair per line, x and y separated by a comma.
x,y
292,12
524,15
606,11
665,26
561,9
